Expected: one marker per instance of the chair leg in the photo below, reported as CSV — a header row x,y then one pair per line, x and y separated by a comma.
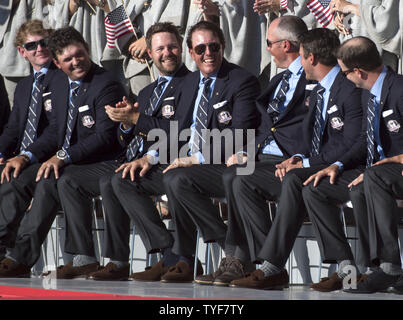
x,y
132,247
97,230
196,254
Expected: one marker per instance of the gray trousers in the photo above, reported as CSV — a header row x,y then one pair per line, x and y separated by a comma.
x,y
189,192
123,200
248,215
382,185
322,203
289,218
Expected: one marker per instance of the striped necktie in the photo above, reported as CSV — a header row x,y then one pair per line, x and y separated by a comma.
x,y
71,114
370,131
273,107
201,117
317,128
135,143
32,121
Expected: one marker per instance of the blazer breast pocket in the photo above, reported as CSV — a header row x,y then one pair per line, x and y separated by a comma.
x,y
392,121
86,117
168,107
335,118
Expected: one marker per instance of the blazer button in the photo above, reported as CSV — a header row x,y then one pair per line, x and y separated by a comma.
x,y
273,129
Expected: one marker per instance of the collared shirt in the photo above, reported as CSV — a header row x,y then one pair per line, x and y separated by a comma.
x,y
376,90
193,126
296,70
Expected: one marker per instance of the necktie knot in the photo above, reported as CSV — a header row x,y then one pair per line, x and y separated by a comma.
x,y
39,76
206,82
162,81
287,74
74,88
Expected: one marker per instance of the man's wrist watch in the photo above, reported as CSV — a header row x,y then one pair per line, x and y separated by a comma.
x,y
25,157
61,155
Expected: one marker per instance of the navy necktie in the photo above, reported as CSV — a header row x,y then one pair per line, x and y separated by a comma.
x,y
317,128
273,107
71,114
33,119
201,117
370,131
135,143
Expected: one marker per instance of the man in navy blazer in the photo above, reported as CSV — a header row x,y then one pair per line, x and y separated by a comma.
x,y
219,98
282,107
28,121
373,191
80,132
156,107
330,129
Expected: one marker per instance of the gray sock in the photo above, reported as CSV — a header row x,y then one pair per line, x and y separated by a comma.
x,y
82,260
269,269
370,270
344,267
120,264
391,269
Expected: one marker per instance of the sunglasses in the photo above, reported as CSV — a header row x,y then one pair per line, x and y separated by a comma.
x,y
270,43
346,72
33,45
213,47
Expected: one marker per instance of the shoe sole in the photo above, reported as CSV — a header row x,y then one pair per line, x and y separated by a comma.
x,y
220,284
97,279
204,282
176,281
279,287
141,280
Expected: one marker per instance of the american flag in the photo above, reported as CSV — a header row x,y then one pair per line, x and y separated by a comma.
x,y
116,25
321,10
283,4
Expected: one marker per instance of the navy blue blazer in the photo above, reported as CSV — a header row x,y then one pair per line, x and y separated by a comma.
x,y
11,139
342,124
286,131
234,96
167,109
390,114
94,134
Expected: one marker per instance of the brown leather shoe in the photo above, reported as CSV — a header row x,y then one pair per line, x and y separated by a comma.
x,y
257,280
153,273
181,272
70,272
110,273
328,284
208,279
11,269
234,270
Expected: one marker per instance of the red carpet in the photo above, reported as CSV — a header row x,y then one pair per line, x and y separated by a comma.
x,y
20,293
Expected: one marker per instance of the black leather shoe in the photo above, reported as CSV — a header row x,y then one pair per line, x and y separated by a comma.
x,y
375,282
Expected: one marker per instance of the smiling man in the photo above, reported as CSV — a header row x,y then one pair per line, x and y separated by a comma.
x,y
155,108
220,96
80,132
29,119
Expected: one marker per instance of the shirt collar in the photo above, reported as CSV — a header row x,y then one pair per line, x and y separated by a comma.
x,y
376,89
44,70
295,67
328,80
212,77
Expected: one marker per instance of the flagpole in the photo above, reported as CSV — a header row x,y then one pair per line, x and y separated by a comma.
x,y
137,38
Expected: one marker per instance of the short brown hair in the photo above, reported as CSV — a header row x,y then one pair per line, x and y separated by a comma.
x,y
162,27
205,25
33,27
360,52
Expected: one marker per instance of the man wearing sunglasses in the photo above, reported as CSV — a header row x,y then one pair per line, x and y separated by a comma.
x,y
328,131
282,107
373,192
80,134
29,119
220,95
